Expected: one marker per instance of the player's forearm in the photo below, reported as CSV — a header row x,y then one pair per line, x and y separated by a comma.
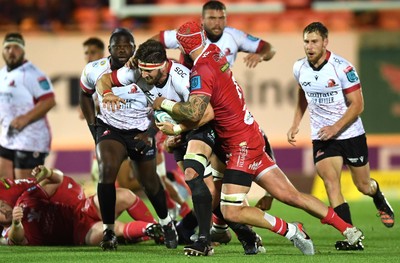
x,y
301,107
41,109
268,52
17,233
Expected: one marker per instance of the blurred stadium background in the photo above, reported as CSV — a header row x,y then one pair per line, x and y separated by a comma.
x,y
366,32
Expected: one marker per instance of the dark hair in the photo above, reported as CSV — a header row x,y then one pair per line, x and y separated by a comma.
x,y
120,31
316,27
94,41
214,5
14,37
151,51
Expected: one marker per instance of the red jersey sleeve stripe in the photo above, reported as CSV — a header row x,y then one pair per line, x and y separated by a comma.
x,y
162,39
260,46
351,89
85,89
46,96
114,78
200,92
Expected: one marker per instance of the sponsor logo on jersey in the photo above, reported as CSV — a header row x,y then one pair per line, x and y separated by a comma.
x,y
219,56
44,83
225,67
102,63
255,165
252,38
351,74
339,61
195,83
305,83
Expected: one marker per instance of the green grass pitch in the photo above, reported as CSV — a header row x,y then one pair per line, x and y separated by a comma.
x,y
381,244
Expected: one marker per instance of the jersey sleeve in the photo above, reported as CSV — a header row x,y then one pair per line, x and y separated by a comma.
x,y
181,81
124,76
202,81
246,42
168,39
296,71
87,84
40,84
349,78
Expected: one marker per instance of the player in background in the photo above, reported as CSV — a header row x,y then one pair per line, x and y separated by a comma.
x,y
330,88
123,133
231,41
61,189
93,49
26,96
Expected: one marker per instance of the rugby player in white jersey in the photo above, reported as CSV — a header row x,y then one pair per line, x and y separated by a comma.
x,y
330,87
121,134
26,96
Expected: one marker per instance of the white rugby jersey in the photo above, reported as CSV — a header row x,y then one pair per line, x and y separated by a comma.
x,y
231,42
20,90
325,90
175,88
132,115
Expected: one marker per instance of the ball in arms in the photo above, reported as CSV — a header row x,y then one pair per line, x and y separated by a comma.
x,y
163,116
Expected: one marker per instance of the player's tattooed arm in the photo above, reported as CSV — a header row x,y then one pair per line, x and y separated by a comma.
x,y
193,109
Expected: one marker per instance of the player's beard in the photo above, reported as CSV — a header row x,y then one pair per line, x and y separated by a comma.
x,y
155,80
13,62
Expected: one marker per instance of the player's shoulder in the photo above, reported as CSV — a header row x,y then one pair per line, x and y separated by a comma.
x,y
232,30
338,61
179,74
179,70
98,64
239,34
301,60
30,68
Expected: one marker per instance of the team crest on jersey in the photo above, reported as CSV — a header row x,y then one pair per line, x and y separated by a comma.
x,y
44,83
195,83
102,63
252,38
351,74
331,83
133,89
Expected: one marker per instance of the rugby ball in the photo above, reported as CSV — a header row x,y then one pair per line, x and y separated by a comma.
x,y
163,116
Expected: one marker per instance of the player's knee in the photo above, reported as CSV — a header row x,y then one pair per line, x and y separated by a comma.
x,y
194,165
200,192
231,205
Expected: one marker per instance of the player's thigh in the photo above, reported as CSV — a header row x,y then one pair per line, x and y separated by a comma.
x,y
95,234
329,169
6,168
278,185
